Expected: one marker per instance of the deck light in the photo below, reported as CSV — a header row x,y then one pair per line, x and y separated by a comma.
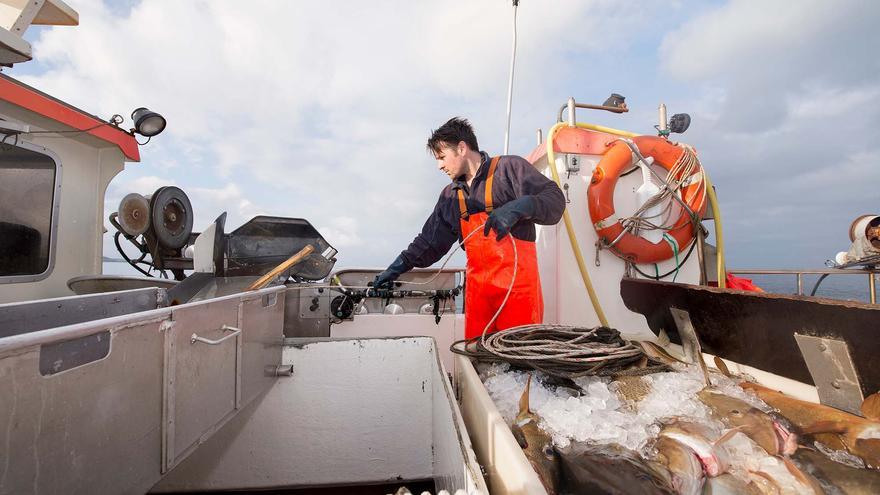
x,y
615,101
147,123
679,123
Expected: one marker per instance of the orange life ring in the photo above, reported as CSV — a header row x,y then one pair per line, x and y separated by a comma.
x,y
600,198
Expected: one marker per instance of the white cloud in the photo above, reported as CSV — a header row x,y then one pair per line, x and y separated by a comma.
x,y
314,109
320,110
763,54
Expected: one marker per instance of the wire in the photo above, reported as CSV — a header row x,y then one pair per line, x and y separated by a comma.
x,y
74,131
818,282
670,272
448,257
510,81
131,262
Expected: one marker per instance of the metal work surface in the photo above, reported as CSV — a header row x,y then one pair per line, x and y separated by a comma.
x,y
758,329
20,318
86,407
96,284
354,412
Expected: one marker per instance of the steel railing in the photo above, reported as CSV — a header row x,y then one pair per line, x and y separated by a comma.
x,y
799,274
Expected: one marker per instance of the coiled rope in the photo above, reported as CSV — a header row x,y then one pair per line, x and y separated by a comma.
x,y
562,351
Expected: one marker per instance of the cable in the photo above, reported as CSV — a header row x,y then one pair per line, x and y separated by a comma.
x,y
448,257
818,282
670,272
129,260
510,81
74,131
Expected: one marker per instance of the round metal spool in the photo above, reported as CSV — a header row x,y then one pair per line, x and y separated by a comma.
x,y
134,214
171,216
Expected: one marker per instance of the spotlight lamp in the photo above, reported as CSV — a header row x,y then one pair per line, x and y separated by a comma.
x,y
147,123
679,123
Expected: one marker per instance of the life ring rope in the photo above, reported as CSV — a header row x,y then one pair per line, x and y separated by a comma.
x,y
684,184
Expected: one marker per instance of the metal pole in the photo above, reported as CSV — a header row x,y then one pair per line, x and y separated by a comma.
x,y
540,137
510,81
664,122
571,117
872,286
800,283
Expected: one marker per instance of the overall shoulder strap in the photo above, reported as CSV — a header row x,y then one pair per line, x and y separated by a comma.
x,y
462,206
489,178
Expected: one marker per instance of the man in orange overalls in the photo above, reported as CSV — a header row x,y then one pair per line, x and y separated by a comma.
x,y
501,195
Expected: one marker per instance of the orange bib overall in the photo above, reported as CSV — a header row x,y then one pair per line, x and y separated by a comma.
x,y
489,270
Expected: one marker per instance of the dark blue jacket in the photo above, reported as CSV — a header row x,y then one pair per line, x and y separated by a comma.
x,y
514,178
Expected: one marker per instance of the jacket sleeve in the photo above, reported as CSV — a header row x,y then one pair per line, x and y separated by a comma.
x,y
437,235
527,181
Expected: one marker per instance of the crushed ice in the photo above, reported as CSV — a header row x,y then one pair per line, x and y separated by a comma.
x,y
597,414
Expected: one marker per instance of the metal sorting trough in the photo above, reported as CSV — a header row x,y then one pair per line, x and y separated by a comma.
x,y
354,412
107,406
200,396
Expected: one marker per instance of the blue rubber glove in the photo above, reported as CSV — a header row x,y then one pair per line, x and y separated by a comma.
x,y
505,216
385,280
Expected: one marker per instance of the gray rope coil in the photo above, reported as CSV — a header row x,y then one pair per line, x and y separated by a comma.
x,y
561,351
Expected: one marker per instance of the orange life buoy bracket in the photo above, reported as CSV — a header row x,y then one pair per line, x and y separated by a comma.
x,y
600,198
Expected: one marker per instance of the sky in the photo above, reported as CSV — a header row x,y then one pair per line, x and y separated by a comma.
x,y
320,110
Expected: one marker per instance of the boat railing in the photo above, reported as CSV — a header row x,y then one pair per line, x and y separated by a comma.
x,y
823,273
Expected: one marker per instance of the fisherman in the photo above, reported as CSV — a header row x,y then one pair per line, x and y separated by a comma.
x,y
500,195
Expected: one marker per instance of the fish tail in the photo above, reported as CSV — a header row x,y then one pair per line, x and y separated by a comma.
x,y
524,399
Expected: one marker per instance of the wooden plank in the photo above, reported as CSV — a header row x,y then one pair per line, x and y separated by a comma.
x,y
296,258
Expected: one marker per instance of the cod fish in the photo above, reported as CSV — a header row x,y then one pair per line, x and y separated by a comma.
x,y
536,444
761,427
844,479
728,484
684,468
837,429
712,454
611,469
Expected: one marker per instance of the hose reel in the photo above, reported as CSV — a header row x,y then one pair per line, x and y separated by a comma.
x,y
159,225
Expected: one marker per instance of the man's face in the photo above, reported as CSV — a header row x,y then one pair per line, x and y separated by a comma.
x,y
451,160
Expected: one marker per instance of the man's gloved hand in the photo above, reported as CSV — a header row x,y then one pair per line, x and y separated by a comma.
x,y
505,216
385,280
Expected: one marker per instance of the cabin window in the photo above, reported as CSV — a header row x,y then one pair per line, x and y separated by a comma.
x,y
28,194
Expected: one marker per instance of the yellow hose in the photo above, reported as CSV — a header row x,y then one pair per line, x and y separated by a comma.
x,y
606,130
719,235
575,247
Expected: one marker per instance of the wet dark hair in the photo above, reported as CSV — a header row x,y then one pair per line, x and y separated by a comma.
x,y
451,133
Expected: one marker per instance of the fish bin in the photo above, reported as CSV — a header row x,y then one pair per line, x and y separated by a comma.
x,y
664,432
